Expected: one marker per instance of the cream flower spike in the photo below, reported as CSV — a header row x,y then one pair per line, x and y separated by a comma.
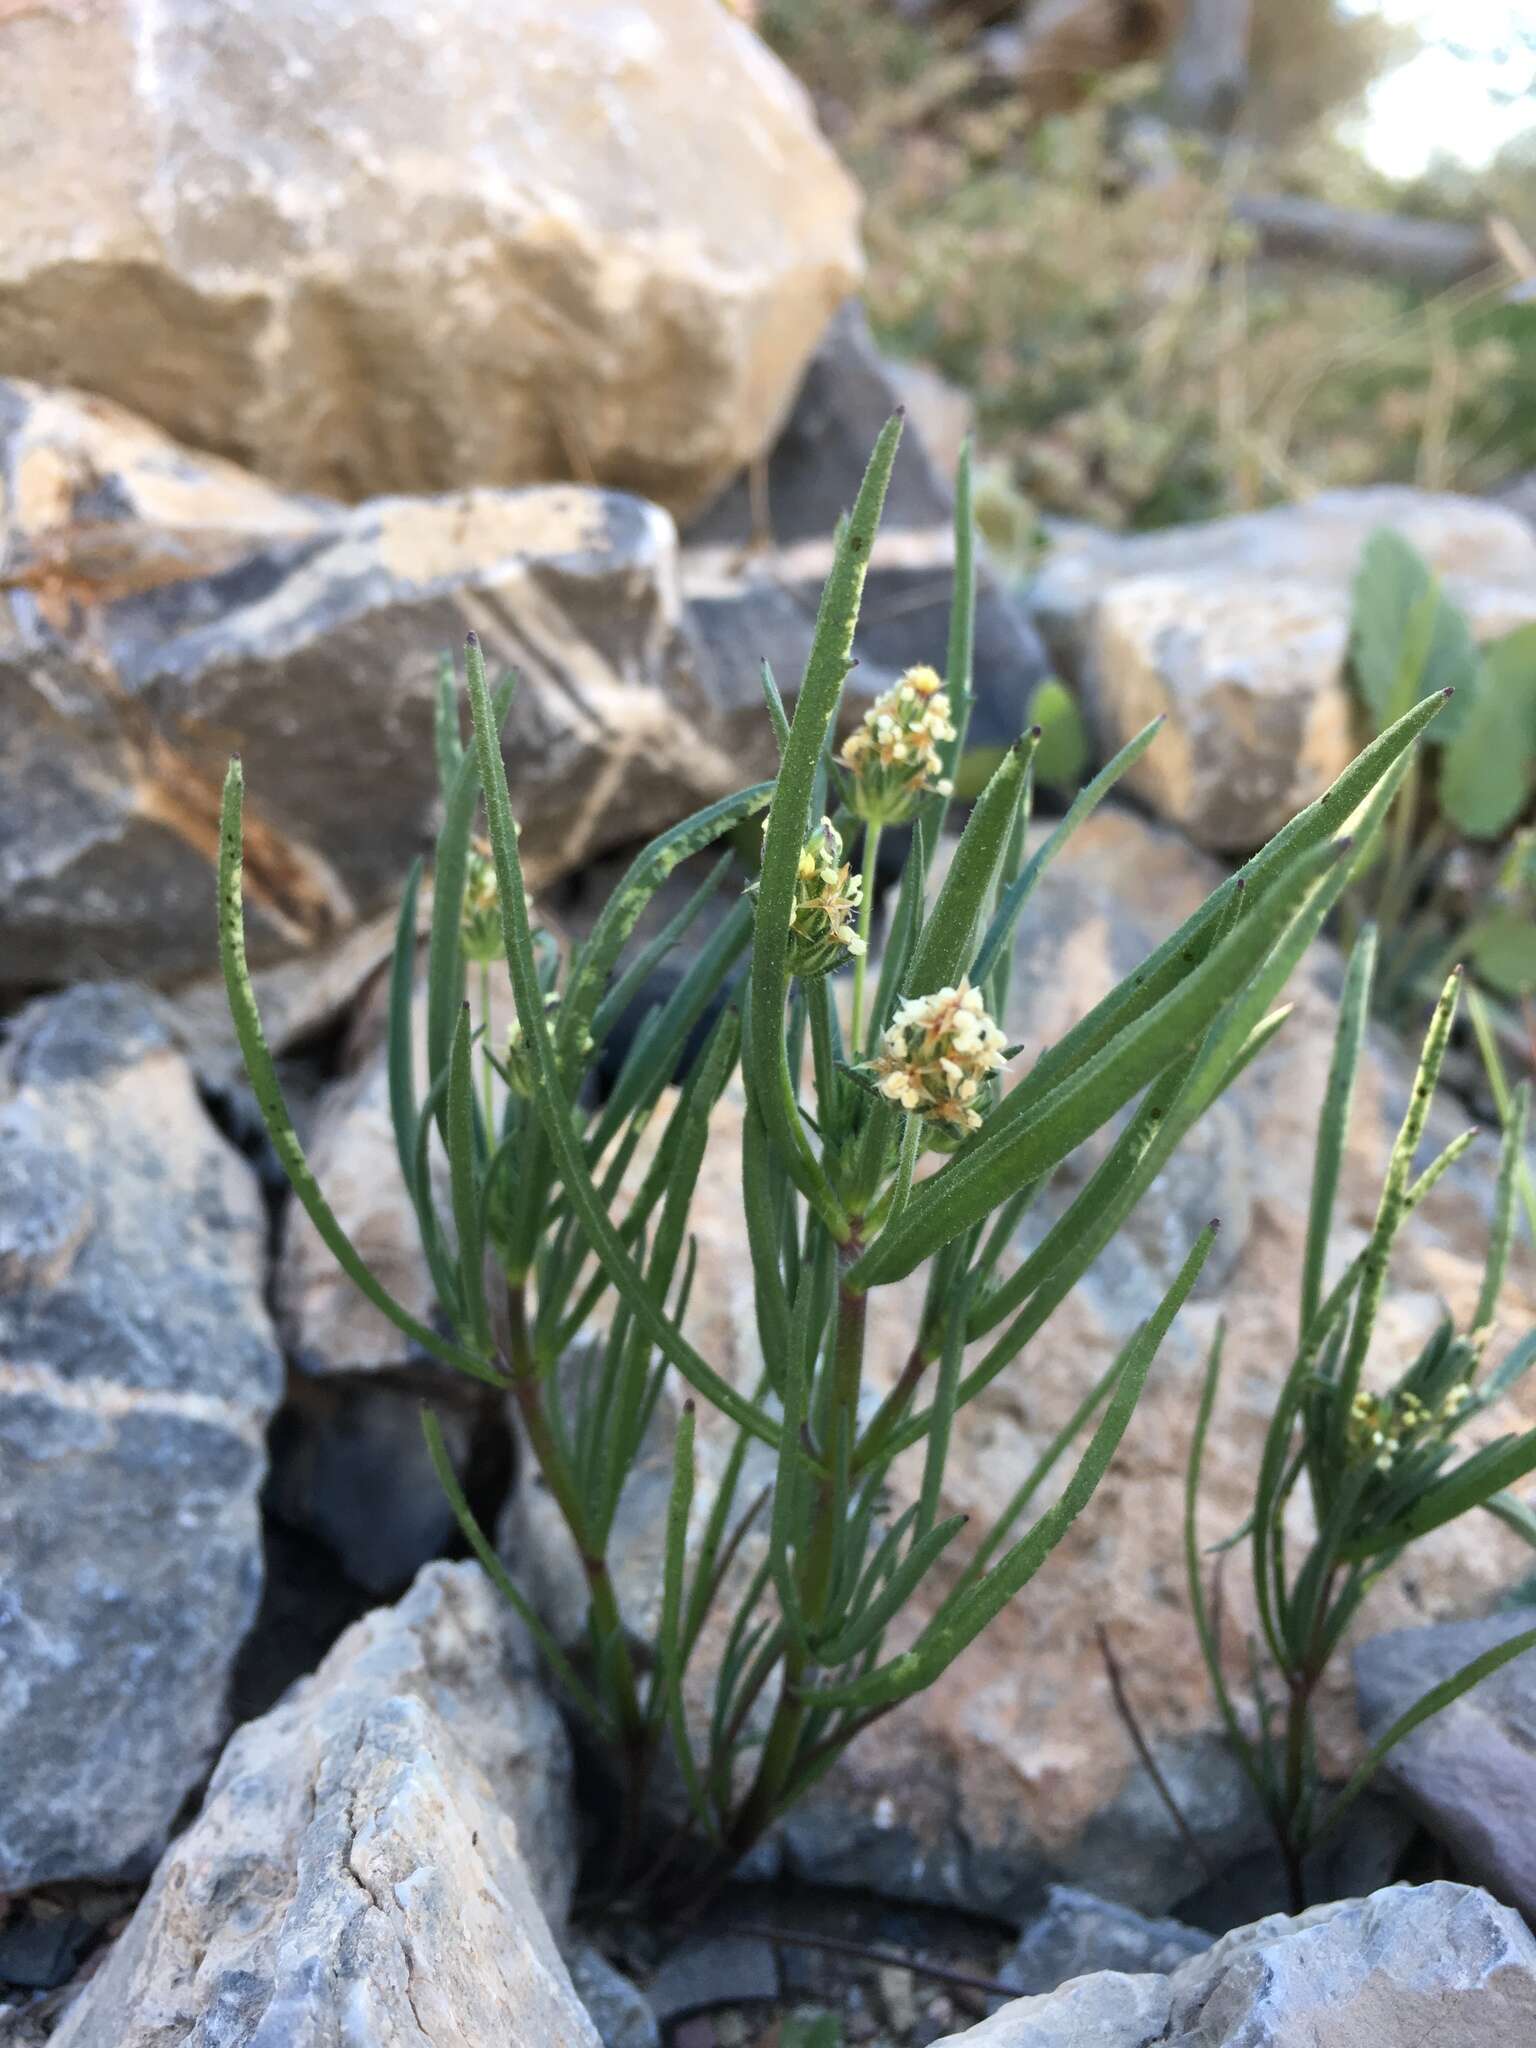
x,y
939,1056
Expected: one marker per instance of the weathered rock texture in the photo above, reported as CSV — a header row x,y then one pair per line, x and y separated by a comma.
x,y
138,1370
1238,631
378,1860
1014,1769
1438,1963
1077,1933
371,247
753,588
1469,1773
161,611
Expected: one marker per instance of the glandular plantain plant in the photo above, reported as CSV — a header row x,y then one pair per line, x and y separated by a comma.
x,y
1376,1457
561,1222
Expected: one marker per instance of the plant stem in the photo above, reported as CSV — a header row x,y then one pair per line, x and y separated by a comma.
x,y
870,856
776,1767
607,1623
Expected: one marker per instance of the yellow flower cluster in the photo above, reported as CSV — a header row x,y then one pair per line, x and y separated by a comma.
x,y
940,1054
824,914
1382,1425
893,758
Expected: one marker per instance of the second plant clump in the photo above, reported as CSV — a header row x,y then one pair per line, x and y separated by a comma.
x,y
564,1262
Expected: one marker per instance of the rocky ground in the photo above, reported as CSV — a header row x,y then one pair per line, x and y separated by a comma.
x,y
279,1768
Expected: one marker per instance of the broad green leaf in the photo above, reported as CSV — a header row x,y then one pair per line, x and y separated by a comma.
x,y
1501,950
1407,639
1063,752
1486,772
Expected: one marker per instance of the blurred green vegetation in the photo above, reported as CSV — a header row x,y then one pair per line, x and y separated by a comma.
x,y
1133,359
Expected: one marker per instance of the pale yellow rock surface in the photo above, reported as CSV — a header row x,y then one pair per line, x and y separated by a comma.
x,y
380,245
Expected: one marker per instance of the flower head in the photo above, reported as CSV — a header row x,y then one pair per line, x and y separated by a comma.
x,y
938,1058
517,1070
893,758
825,911
1381,1426
480,916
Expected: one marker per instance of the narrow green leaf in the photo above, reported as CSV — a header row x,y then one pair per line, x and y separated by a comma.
x,y
669,1643
943,951
445,726
1354,1009
402,985
445,960
959,658
778,717
274,1109
1474,1481
1083,805
1435,1701
788,819
595,960
549,1094
1389,1213
1502,1230
1001,1158
959,1623
1210,1649
560,1665
1163,968
862,1629
466,1193
1513,1512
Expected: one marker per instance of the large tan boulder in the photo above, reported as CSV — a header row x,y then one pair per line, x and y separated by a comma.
x,y
366,245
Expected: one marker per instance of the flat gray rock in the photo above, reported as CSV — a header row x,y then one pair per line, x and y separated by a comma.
x,y
138,1371
378,1861
1469,1772
1432,1966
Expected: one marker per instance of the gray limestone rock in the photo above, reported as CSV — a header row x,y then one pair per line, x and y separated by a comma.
x,y
1438,1963
385,1858
138,1370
